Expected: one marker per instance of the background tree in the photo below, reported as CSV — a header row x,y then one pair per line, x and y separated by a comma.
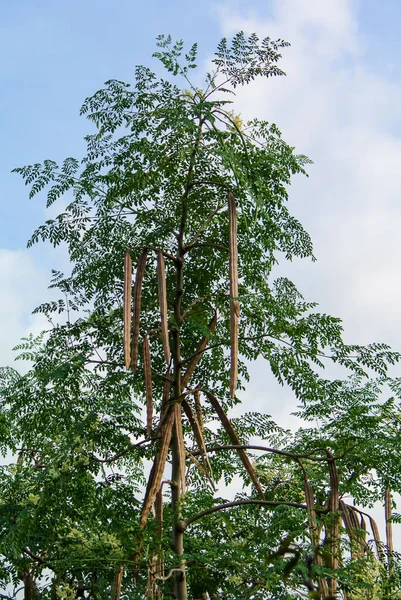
x,y
176,185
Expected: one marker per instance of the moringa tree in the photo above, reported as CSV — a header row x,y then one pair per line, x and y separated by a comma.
x,y
177,187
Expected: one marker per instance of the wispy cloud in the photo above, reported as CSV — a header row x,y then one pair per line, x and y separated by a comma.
x,y
345,116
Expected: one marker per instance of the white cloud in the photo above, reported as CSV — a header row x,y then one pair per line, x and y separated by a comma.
x,y
345,117
23,287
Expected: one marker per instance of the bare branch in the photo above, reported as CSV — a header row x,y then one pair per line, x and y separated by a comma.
x,y
213,509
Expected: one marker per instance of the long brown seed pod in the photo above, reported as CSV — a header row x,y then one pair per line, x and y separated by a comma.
x,y
140,271
164,408
180,444
349,523
166,391
363,528
234,304
193,421
389,526
198,409
310,503
375,532
156,473
360,529
127,308
314,529
202,469
376,537
236,442
195,426
161,282
148,385
333,530
194,361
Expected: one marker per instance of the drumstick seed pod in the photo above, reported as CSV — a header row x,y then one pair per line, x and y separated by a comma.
x,y
127,308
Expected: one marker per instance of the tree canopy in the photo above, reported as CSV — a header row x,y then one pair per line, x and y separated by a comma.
x,y
119,430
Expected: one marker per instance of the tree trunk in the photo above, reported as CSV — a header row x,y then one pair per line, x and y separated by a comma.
x,y
116,587
178,534
177,468
29,586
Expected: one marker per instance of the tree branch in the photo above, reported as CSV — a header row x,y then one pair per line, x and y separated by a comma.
x,y
213,509
292,455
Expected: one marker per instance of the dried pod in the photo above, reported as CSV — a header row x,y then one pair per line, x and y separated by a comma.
x,y
198,434
165,399
161,281
179,439
376,537
349,524
127,308
194,361
166,390
198,409
140,271
148,385
388,505
195,426
156,473
236,442
234,304
202,469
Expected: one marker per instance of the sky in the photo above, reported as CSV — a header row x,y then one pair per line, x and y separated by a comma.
x,y
340,104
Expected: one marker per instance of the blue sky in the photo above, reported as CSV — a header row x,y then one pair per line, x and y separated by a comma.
x,y
340,104
55,53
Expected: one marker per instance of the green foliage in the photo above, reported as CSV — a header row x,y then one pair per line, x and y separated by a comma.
x,y
155,175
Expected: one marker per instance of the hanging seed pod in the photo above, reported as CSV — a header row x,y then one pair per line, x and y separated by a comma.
x,y
140,271
388,505
195,426
180,445
194,361
236,442
164,407
348,520
203,470
161,281
360,531
156,473
148,385
362,527
376,537
166,391
127,308
198,434
234,304
198,409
